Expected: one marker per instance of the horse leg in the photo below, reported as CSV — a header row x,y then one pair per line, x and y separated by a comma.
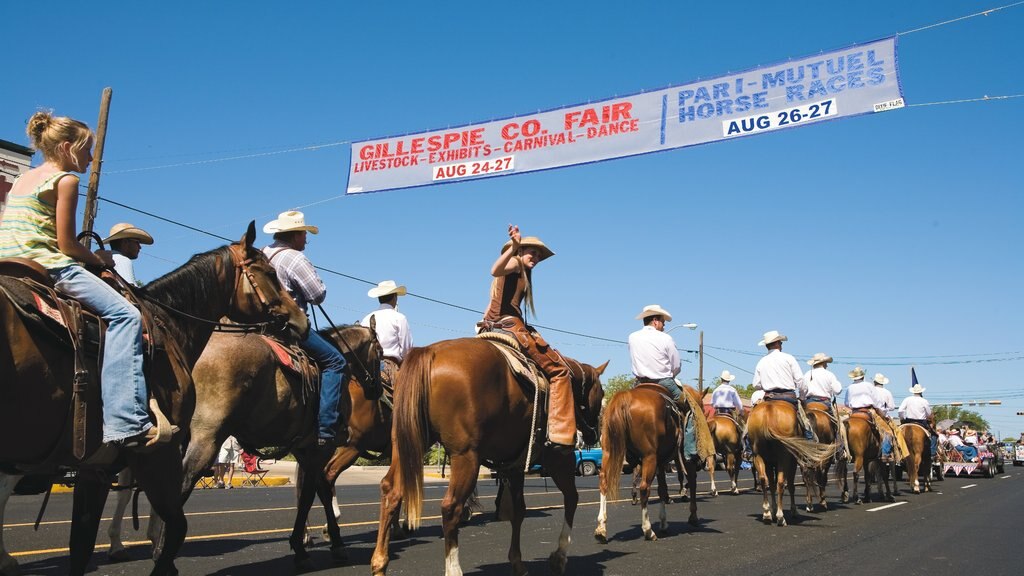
x,y
646,476
691,488
515,492
635,496
562,466
160,475
307,491
8,565
681,474
465,468
663,499
117,552
326,493
884,479
390,501
712,461
91,487
811,484
791,485
779,493
601,532
344,457
761,476
732,464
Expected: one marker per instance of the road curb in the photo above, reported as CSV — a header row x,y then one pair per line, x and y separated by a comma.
x,y
237,483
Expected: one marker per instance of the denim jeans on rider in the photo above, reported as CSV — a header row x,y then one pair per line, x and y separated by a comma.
x,y
332,364
123,386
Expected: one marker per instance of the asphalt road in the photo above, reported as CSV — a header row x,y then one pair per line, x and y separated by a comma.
x,y
966,525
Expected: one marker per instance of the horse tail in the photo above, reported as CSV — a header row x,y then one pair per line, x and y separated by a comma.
x,y
613,442
411,428
808,453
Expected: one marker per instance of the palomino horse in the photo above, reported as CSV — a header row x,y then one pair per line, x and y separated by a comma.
x,y
729,445
243,391
865,448
919,456
463,393
235,281
778,448
640,424
816,478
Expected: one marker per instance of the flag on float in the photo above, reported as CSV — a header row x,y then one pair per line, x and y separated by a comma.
x,y
913,377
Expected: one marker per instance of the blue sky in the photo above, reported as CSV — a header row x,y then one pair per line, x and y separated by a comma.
x,y
884,240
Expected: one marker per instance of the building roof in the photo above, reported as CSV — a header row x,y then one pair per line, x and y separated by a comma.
x,y
18,148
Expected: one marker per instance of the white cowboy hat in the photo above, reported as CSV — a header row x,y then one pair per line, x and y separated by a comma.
x,y
124,230
386,287
880,379
856,374
819,358
917,389
772,336
290,221
532,242
726,376
654,310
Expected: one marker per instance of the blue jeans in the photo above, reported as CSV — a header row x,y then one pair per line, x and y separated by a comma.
x,y
969,452
332,365
673,389
123,386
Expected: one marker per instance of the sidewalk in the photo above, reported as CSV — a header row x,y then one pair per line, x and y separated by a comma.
x,y
359,475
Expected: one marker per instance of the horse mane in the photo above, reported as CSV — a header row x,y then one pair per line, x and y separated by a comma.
x,y
190,283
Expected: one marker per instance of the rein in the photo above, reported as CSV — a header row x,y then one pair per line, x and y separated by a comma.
x,y
366,371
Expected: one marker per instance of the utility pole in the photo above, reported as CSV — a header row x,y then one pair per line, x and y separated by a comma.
x,y
700,370
97,163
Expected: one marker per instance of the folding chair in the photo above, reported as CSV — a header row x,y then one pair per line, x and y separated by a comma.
x,y
253,473
206,479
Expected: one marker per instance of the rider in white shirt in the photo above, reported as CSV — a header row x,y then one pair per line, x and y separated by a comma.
x,y
653,353
779,375
391,325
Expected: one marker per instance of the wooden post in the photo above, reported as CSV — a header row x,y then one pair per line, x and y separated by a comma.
x,y
97,163
700,369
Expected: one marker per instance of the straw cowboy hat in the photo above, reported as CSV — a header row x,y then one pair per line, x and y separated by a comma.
x,y
532,242
386,287
124,231
654,310
880,379
917,389
772,336
726,376
290,221
819,358
856,374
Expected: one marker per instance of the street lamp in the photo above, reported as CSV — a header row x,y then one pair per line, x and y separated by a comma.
x,y
691,326
700,352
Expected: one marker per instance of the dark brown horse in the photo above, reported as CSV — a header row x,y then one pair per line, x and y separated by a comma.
x,y
243,391
462,393
919,456
729,445
816,478
778,447
865,448
639,424
234,281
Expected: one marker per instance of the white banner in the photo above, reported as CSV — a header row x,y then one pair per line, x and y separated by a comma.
x,y
861,79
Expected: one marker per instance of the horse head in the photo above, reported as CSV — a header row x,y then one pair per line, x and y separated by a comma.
x,y
258,293
589,395
364,353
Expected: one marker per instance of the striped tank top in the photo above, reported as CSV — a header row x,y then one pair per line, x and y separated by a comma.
x,y
29,228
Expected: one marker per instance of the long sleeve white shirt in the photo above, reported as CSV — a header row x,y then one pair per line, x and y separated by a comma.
x,y
888,404
862,395
392,331
779,371
124,267
821,382
725,396
915,407
653,354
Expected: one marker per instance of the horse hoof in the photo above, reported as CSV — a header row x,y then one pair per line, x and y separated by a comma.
x,y
734,491
338,555
809,509
120,555
399,533
714,493
650,536
601,537
693,521
556,562
684,498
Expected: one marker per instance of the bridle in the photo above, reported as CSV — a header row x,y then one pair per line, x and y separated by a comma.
x,y
371,375
582,408
242,268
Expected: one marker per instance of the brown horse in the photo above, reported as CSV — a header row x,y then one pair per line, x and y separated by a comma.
x,y
639,426
865,448
778,447
919,456
816,478
243,391
463,393
729,445
235,281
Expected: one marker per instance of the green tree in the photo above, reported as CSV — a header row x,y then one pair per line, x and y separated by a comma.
x,y
972,418
617,384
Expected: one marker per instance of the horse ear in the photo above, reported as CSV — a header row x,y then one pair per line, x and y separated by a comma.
x,y
250,236
373,323
600,369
